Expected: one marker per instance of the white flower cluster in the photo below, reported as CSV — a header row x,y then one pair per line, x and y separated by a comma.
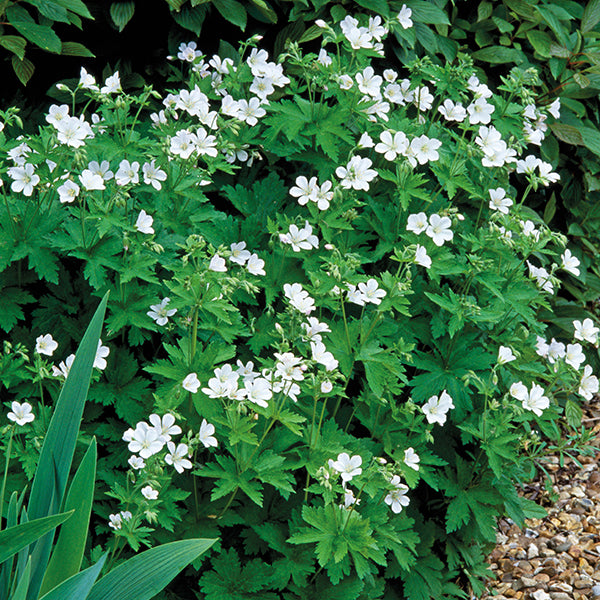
x,y
300,239
435,226
65,366
421,149
239,256
365,293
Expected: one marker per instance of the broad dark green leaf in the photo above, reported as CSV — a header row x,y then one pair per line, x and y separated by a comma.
x,y
498,55
15,43
40,35
121,13
23,69
233,11
75,6
75,49
591,16
427,12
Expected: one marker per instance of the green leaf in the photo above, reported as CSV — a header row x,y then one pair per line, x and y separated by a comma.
x,y
75,49
567,133
75,6
56,456
591,138
121,13
591,16
68,550
51,10
499,54
233,11
21,590
266,10
191,18
40,35
532,510
19,536
79,585
23,69
574,414
15,43
554,23
427,12
145,575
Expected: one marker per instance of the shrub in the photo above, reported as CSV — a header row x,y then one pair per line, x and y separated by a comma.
x,y
323,328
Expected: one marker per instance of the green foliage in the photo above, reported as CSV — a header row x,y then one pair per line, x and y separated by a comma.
x,y
20,27
327,331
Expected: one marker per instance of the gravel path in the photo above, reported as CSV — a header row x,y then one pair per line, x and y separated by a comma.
x,y
558,557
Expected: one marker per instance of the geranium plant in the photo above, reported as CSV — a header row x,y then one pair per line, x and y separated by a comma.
x,y
323,328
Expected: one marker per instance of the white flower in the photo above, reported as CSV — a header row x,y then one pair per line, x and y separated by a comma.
x,y
217,264
206,144
112,84
153,175
64,367
371,292
165,426
346,466
499,201
127,173
91,181
518,391
423,149
554,108
101,353
160,313
144,223
570,263
149,493
188,52
206,434
368,82
404,18
238,253
255,265
314,328
439,229
68,191
397,498
322,356
589,383
145,440
304,189
357,174
452,111
44,344
299,298
115,521
177,457
136,462
365,141
417,223
390,146
323,195
21,413
480,111
505,355
259,391
346,82
24,179
183,144
56,114
436,409
574,355
250,111
300,239
422,99
421,257
556,350
191,383
411,459
86,80
535,400
326,386
586,331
